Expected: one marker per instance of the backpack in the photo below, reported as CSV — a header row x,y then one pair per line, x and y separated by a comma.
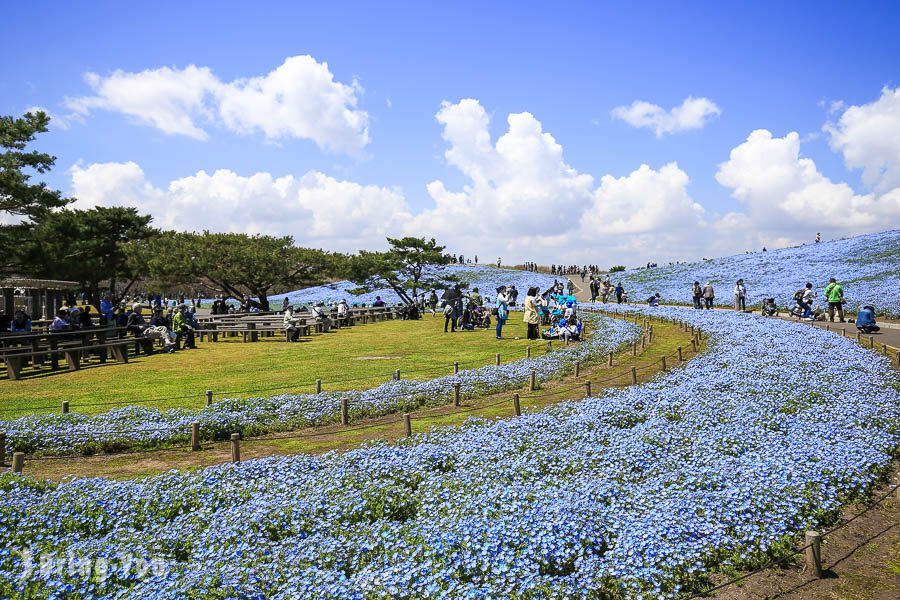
x,y
798,295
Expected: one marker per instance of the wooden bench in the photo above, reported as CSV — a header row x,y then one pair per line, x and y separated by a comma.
x,y
16,361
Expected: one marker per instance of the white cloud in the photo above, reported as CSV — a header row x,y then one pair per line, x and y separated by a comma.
x,y
788,199
315,209
693,113
869,138
299,99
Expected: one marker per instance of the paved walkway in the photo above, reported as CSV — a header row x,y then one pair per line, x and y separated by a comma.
x,y
890,334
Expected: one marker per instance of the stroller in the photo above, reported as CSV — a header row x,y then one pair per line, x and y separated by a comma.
x,y
769,308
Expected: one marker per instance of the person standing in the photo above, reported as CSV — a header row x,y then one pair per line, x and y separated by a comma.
x,y
502,310
570,287
709,294
740,296
532,318
432,303
834,293
594,289
620,291
696,294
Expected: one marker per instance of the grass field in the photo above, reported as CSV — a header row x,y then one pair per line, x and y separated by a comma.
x,y
667,338
353,358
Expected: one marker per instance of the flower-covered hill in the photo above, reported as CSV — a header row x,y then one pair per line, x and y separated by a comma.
x,y
867,266
638,493
487,279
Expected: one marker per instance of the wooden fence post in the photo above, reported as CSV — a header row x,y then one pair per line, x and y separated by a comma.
x,y
643,341
407,424
455,367
195,435
634,349
587,389
235,447
858,338
345,411
456,387
610,363
680,357
18,462
634,375
498,359
531,381
694,345
650,341
397,375
65,407
318,386
549,345
2,449
814,553
664,364
209,395
517,409
577,368
871,342
528,352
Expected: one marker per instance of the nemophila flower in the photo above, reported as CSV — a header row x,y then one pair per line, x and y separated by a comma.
x,y
867,266
634,493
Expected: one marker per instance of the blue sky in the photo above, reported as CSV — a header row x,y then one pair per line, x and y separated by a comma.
x,y
780,67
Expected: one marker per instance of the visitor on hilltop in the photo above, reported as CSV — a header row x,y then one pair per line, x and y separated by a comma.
x,y
620,291
501,309
21,322
834,294
740,296
709,294
498,262
696,294
865,319
531,317
818,237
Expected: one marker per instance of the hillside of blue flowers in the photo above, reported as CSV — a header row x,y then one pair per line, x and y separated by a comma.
x,y
867,266
638,493
486,278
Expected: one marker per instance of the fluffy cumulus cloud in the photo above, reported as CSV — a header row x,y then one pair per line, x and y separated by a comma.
x,y
868,136
299,99
788,199
693,113
317,210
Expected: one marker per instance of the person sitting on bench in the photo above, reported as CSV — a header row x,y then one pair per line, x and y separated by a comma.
x,y
61,321
291,325
136,323
21,322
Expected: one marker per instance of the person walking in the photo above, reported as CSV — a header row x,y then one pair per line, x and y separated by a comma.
x,y
570,287
502,307
620,291
709,294
740,296
834,294
532,317
696,294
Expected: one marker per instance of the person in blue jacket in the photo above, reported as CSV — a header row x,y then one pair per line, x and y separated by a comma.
x,y
865,320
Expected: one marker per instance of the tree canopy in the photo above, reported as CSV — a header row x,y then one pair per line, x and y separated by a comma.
x,y
402,268
234,264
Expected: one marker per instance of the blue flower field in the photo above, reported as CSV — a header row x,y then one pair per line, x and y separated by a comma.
x,y
638,493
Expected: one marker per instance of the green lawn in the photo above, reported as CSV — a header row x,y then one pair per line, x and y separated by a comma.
x,y
351,358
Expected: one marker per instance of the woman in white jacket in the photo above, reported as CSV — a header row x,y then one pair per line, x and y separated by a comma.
x,y
740,296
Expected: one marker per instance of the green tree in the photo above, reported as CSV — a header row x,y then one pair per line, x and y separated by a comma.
x,y
234,264
87,246
403,268
21,200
